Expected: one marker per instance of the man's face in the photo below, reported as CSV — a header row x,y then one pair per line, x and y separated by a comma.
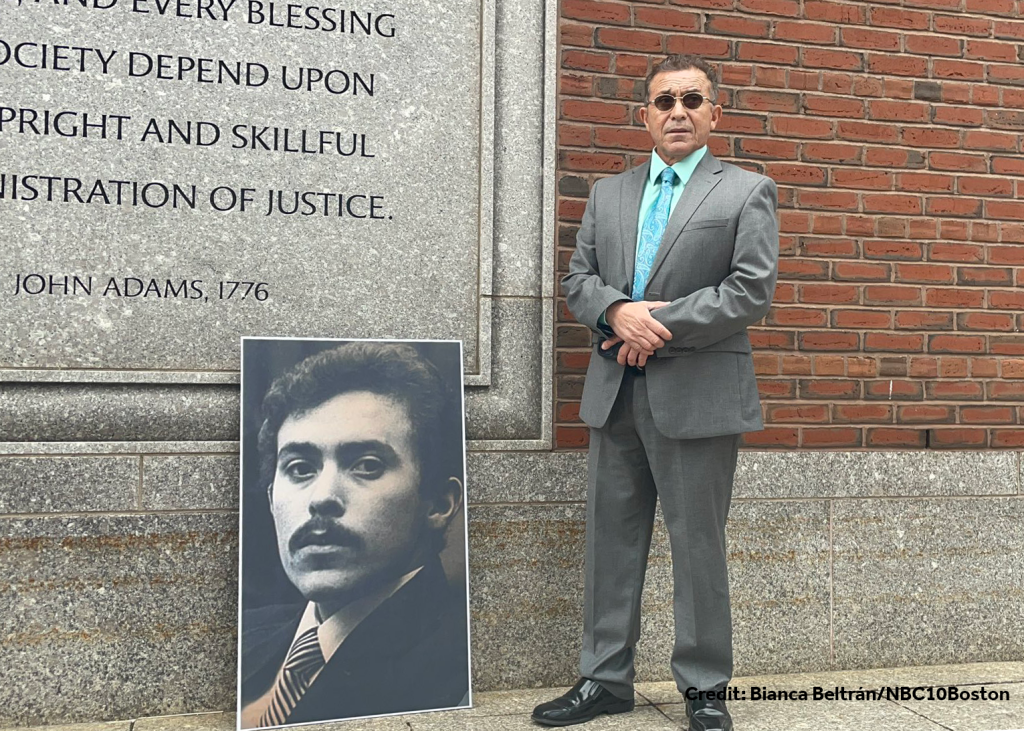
x,y
346,496
680,131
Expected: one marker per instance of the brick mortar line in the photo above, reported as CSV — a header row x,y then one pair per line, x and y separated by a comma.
x,y
832,94
847,166
756,160
861,401
566,96
846,354
854,353
634,153
901,307
990,220
866,423
867,73
867,355
860,309
863,73
850,166
881,309
574,349
817,46
858,74
813,449
796,187
891,426
754,15
726,110
824,186
892,310
841,259
908,426
885,238
908,285
913,124
879,379
875,426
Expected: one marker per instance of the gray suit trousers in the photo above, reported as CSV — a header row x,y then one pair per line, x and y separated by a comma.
x,y
631,465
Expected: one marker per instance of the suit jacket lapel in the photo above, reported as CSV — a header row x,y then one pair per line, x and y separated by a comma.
x,y
358,679
705,177
265,646
629,215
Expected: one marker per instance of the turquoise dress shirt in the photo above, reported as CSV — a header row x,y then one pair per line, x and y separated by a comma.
x,y
684,171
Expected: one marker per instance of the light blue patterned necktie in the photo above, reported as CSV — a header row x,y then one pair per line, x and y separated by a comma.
x,y
651,234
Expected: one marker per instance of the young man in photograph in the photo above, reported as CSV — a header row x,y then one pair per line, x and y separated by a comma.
x,y
357,458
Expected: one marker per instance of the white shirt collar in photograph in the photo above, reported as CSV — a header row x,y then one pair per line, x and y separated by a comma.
x,y
336,628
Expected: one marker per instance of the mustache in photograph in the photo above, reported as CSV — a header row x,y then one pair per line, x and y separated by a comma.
x,y
322,532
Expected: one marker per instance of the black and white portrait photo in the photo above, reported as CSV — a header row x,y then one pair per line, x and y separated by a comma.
x,y
353,579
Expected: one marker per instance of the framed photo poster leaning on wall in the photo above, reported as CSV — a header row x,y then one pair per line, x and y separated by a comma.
x,y
353,597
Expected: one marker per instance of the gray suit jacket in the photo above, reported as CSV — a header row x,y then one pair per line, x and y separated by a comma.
x,y
717,265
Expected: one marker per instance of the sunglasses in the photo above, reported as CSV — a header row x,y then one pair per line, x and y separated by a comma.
x,y
691,100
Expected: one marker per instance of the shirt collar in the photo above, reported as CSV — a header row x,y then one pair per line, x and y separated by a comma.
x,y
336,628
683,169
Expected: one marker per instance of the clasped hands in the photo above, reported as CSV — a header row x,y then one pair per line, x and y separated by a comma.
x,y
637,330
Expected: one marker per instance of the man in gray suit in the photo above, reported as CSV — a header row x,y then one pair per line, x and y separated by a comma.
x,y
674,259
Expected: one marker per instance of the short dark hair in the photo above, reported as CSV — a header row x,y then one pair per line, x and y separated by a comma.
x,y
682,62
395,370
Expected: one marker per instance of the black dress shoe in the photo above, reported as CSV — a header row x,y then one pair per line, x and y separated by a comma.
x,y
708,714
587,700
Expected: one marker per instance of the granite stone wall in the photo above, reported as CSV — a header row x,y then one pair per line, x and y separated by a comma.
x,y
126,606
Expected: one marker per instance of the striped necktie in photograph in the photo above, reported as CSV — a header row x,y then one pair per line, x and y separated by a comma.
x,y
303,661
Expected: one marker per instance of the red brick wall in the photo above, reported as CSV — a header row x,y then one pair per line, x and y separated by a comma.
x,y
894,132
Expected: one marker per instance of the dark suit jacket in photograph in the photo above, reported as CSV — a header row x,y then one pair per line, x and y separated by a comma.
x,y
409,654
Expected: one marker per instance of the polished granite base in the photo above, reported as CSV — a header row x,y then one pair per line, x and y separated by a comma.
x,y
660,708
